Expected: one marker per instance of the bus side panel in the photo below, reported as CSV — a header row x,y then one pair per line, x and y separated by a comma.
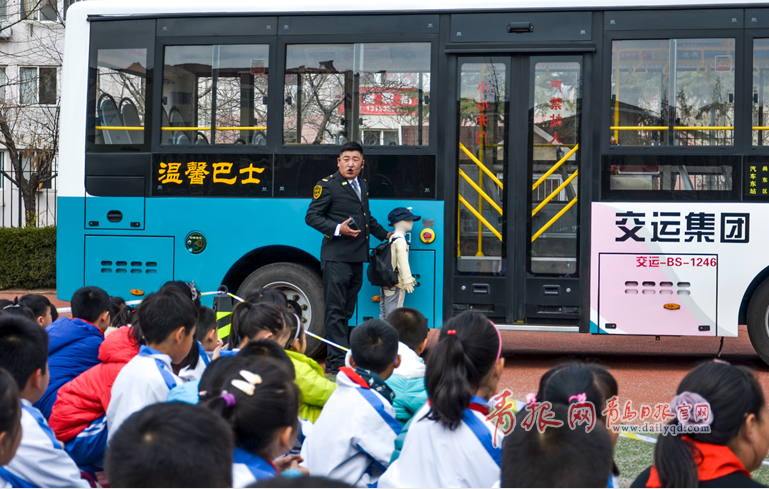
x,y
670,268
69,246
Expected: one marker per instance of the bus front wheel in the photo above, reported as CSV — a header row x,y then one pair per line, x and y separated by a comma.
x,y
303,289
758,320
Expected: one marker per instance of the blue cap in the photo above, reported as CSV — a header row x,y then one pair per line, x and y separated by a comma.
x,y
401,214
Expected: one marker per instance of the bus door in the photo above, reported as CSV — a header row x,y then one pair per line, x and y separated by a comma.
x,y
516,229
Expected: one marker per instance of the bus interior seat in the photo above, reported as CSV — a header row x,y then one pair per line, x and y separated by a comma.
x,y
259,139
181,138
164,122
201,139
176,119
109,115
130,115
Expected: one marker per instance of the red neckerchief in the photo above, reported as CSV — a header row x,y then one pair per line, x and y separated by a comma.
x,y
353,375
715,461
89,322
474,406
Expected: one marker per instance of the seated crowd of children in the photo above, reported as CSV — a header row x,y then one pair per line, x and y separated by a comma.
x,y
152,397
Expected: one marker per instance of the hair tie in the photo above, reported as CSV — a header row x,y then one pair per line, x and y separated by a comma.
x,y
247,386
531,398
691,409
579,398
451,332
229,399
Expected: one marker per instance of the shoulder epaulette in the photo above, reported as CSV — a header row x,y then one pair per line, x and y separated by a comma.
x,y
325,179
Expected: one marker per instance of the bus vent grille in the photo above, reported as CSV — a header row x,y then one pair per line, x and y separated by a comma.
x,y
136,267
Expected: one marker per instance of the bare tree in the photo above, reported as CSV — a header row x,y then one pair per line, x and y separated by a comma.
x,y
30,101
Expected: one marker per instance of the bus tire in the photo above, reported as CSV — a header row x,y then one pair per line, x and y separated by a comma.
x,y
301,285
758,320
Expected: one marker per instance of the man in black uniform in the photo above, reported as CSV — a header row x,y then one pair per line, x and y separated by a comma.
x,y
339,210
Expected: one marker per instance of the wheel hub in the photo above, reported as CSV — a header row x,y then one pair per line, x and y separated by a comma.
x,y
294,294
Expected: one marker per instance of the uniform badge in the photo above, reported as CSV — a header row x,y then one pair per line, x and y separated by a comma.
x,y
317,191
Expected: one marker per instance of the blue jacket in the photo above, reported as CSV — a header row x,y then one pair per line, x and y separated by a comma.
x,y
73,348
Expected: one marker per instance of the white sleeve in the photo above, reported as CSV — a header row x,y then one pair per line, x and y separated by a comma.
x,y
132,391
39,462
338,230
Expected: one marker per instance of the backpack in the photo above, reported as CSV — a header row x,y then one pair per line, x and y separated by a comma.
x,y
380,269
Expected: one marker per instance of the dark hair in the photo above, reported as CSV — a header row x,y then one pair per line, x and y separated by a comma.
x,y
14,308
296,331
116,305
23,348
38,304
733,393
558,457
249,319
10,405
571,380
256,418
374,345
164,444
4,303
458,364
216,374
267,348
89,303
54,313
124,317
186,289
411,326
206,322
270,295
310,481
162,312
351,146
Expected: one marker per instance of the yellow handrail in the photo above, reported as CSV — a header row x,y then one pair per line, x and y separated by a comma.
x,y
244,128
554,193
676,128
480,218
124,128
639,128
555,218
481,192
480,165
554,167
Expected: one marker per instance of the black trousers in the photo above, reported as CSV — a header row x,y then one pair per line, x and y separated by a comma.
x,y
341,283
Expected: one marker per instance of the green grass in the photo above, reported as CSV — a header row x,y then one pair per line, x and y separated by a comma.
x,y
633,456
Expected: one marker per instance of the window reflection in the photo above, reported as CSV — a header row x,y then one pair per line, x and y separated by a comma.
x,y
760,92
120,98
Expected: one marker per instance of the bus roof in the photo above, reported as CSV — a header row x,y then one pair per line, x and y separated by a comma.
x,y
198,7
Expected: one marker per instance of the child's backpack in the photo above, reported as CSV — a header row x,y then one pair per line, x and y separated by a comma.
x,y
380,268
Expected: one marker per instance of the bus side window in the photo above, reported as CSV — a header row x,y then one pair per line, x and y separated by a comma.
x,y
120,96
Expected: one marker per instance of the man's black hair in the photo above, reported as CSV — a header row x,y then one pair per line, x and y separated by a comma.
x,y
163,312
89,303
23,347
351,146
267,348
411,326
374,345
558,457
206,322
171,444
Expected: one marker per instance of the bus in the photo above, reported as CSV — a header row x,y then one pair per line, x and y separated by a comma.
x,y
578,167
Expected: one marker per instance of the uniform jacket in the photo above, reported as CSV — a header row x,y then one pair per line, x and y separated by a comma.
x,y
248,468
434,456
40,460
146,379
316,388
408,383
73,348
86,398
334,201
353,439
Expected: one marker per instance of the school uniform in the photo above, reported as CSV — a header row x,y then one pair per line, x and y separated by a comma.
x,y
196,373
146,379
434,456
248,468
40,460
353,439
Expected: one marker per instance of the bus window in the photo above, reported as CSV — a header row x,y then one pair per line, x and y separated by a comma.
x,y
375,93
215,95
672,92
120,96
760,92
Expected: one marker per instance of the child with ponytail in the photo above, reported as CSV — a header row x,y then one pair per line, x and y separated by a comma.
x,y
261,403
315,387
258,321
450,442
735,442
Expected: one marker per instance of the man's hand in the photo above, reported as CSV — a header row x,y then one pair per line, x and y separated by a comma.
x,y
390,234
346,231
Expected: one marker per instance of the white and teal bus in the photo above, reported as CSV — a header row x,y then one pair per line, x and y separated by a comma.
x,y
587,167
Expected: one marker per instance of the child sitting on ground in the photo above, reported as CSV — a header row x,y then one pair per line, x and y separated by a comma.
x,y
171,445
10,420
735,444
73,344
250,322
557,457
261,403
40,306
315,387
167,320
196,361
408,380
40,460
451,443
353,439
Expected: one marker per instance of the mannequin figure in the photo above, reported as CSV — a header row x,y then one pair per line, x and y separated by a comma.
x,y
391,298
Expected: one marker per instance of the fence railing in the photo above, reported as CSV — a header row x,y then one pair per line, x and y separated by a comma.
x,y
12,209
